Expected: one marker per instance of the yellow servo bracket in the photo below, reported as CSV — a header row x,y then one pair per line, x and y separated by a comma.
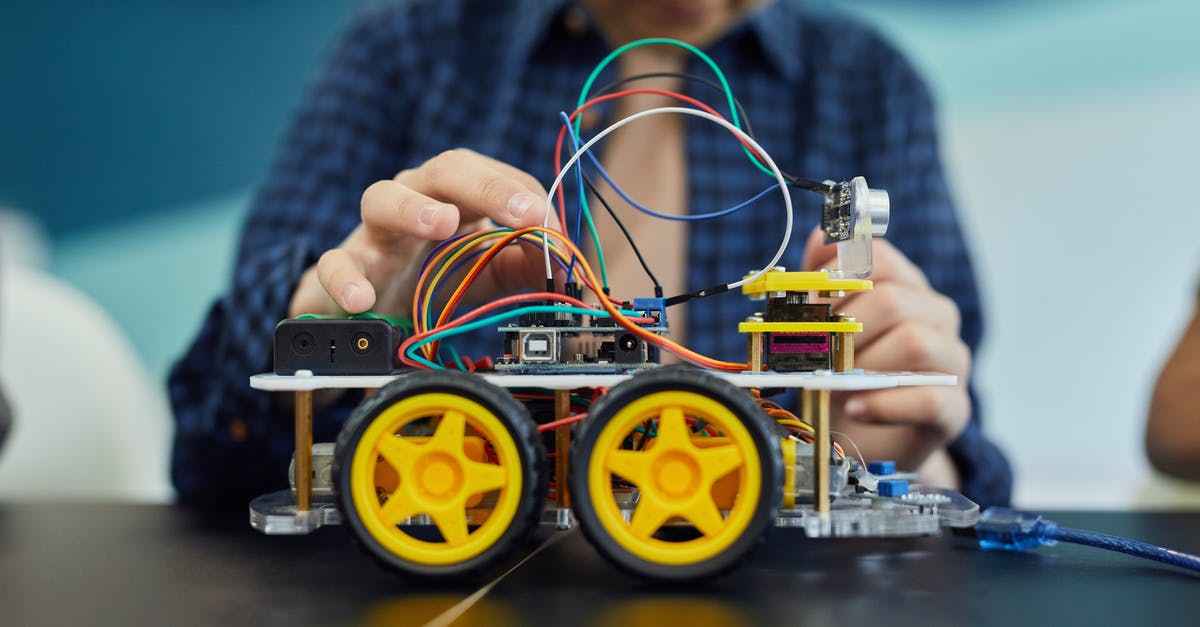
x,y
817,281
800,327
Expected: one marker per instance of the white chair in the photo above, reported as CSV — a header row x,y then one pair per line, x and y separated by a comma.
x,y
89,422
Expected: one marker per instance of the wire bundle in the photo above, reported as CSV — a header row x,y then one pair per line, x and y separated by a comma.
x,y
467,255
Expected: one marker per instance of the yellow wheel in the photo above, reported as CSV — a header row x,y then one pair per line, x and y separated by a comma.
x,y
439,473
676,474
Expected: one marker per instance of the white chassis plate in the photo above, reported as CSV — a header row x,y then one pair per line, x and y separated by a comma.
x,y
843,381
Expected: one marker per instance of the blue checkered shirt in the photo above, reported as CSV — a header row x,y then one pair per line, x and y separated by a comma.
x,y
826,97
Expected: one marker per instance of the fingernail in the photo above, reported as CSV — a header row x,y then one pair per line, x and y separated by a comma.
x,y
348,292
520,203
429,214
855,408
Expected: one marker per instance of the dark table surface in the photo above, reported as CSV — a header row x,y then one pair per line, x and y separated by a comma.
x,y
130,564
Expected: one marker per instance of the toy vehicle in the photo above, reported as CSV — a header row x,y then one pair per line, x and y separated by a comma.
x,y
675,473
672,472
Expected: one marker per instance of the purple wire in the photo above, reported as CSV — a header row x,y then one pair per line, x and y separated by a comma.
x,y
469,259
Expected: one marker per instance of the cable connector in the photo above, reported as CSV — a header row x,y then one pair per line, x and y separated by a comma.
x,y
683,298
1001,528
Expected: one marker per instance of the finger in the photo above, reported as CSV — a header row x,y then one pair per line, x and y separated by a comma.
x,y
890,304
888,263
390,209
818,254
479,187
944,410
526,179
910,346
344,280
516,268
310,298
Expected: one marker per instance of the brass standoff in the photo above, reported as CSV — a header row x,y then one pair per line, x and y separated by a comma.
x,y
562,450
303,452
843,347
755,345
814,408
821,450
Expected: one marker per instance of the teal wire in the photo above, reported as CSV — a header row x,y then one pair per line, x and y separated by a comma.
x,y
457,360
490,320
733,114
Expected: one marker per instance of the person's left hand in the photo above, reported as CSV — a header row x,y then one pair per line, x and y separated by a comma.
x,y
907,326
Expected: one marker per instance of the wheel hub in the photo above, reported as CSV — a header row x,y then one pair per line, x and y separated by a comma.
x,y
439,475
677,474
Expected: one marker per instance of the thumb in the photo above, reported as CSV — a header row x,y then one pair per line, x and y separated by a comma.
x,y
818,254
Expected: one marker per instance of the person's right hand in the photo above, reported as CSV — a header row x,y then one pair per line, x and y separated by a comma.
x,y
377,265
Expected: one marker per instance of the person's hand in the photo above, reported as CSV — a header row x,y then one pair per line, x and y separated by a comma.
x,y
458,191
907,326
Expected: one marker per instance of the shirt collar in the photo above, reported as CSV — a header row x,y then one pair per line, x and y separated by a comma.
x,y
777,29
773,25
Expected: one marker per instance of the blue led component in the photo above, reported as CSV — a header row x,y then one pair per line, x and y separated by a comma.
x,y
881,467
892,487
652,308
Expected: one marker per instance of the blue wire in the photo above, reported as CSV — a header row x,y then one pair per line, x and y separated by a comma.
x,y
578,202
647,210
1001,528
1128,547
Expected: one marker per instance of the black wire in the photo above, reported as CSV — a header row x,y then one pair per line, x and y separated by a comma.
x,y
628,236
795,181
611,87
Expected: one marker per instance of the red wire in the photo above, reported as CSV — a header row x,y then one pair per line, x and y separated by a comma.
x,y
562,203
569,420
630,324
496,304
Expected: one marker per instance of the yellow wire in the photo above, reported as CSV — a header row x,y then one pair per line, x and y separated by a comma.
x,y
797,424
593,284
454,254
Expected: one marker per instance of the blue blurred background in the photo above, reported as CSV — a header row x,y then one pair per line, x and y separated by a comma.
x,y
133,132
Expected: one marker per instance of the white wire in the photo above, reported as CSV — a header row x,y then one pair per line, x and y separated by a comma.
x,y
856,451
783,187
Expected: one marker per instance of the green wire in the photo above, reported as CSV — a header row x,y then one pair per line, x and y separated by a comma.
x,y
587,215
479,324
587,86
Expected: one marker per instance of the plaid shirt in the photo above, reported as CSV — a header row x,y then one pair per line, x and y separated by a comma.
x,y
826,97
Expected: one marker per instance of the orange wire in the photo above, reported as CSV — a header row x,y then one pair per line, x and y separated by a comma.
x,y
594,285
435,261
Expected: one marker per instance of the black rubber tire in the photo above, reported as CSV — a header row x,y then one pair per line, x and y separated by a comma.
x,y
738,401
515,418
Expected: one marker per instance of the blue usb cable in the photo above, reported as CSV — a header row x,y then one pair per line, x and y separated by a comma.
x,y
1004,529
